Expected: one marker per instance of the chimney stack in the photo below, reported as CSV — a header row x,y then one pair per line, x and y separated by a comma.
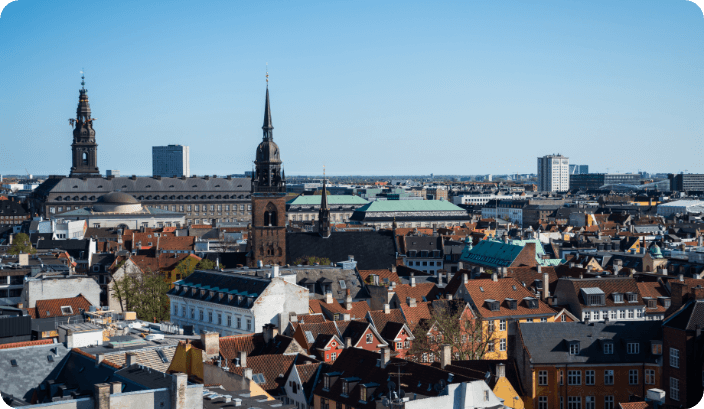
x,y
500,370
211,343
413,280
494,277
464,278
328,297
546,282
449,297
242,355
411,302
248,373
130,359
348,300
385,356
445,355
348,342
269,331
387,310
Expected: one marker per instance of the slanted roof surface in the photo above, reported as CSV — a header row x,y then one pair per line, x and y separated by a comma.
x,y
371,249
332,200
33,367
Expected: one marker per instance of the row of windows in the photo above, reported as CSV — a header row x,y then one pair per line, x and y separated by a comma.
x,y
631,348
156,197
575,402
201,317
424,263
502,325
621,314
575,377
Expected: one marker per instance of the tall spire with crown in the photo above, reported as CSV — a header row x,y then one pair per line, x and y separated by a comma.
x,y
84,148
267,127
268,175
324,228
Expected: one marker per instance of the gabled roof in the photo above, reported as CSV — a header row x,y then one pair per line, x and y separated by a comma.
x,y
253,345
273,369
371,249
312,331
413,315
653,289
386,276
478,368
52,308
546,343
421,292
482,290
688,317
380,320
609,286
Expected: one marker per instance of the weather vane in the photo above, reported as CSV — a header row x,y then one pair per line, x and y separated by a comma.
x,y
267,74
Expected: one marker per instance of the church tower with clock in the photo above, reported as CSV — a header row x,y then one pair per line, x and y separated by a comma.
x,y
84,148
268,232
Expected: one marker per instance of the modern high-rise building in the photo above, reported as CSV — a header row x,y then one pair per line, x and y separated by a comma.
x,y
553,173
170,161
595,181
579,169
686,182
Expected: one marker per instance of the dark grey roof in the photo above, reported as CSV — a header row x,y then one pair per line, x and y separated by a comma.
x,y
228,283
146,184
73,247
117,198
371,249
547,343
313,275
689,317
33,367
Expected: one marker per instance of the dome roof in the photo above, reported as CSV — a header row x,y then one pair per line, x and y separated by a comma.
x,y
655,251
117,198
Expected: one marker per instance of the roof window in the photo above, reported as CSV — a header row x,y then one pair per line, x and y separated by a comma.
x,y
618,297
66,310
493,305
512,304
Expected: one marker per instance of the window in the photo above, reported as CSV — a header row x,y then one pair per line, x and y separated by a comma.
x,y
239,322
574,349
345,388
650,377
200,314
608,402
326,382
490,346
369,338
613,314
502,327
674,389
589,377
502,344
561,376
193,314
425,357
333,356
183,310
632,297
574,402
574,377
542,402
633,377
608,348
229,320
408,344
249,325
542,378
219,319
562,403
630,314
621,314
589,402
67,310
639,313
609,377
633,348
543,320
210,316
490,326
674,357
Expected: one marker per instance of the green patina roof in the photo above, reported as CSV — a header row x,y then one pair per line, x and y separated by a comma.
x,y
409,206
332,200
497,253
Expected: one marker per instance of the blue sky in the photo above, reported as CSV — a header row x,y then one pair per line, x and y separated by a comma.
x,y
363,87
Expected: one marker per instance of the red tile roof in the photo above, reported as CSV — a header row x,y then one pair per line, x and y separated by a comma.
x,y
52,308
27,343
270,366
499,290
311,318
380,319
636,405
383,274
421,292
654,290
608,286
414,315
315,306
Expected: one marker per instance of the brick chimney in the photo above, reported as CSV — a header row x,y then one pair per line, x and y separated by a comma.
x,y
211,343
411,302
387,309
348,300
242,355
697,293
413,280
269,331
328,297
678,290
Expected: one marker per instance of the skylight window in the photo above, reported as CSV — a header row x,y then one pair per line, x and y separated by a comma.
x,y
66,310
13,362
343,285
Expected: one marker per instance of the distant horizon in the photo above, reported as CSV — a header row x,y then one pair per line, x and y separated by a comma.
x,y
399,88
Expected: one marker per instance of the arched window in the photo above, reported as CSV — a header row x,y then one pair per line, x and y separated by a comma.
x,y
85,158
270,214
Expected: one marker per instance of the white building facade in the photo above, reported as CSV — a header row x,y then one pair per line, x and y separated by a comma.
x,y
553,173
234,303
171,161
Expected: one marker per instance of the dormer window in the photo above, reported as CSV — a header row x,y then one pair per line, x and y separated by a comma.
x,y
345,387
511,303
618,297
538,284
574,347
608,348
665,301
493,305
652,303
594,296
633,348
531,302
632,297
326,382
67,310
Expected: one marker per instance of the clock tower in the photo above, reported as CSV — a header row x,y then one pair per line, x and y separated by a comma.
x,y
268,233
84,148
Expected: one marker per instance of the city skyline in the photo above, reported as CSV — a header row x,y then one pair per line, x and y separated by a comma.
x,y
573,78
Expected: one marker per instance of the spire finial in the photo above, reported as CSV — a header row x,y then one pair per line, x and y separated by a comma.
x,y
267,75
83,80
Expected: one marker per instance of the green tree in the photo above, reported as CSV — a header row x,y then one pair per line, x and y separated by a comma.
x,y
206,264
450,324
311,260
21,244
144,294
186,267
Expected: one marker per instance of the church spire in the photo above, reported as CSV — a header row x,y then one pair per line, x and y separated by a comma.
x,y
267,127
324,214
84,149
